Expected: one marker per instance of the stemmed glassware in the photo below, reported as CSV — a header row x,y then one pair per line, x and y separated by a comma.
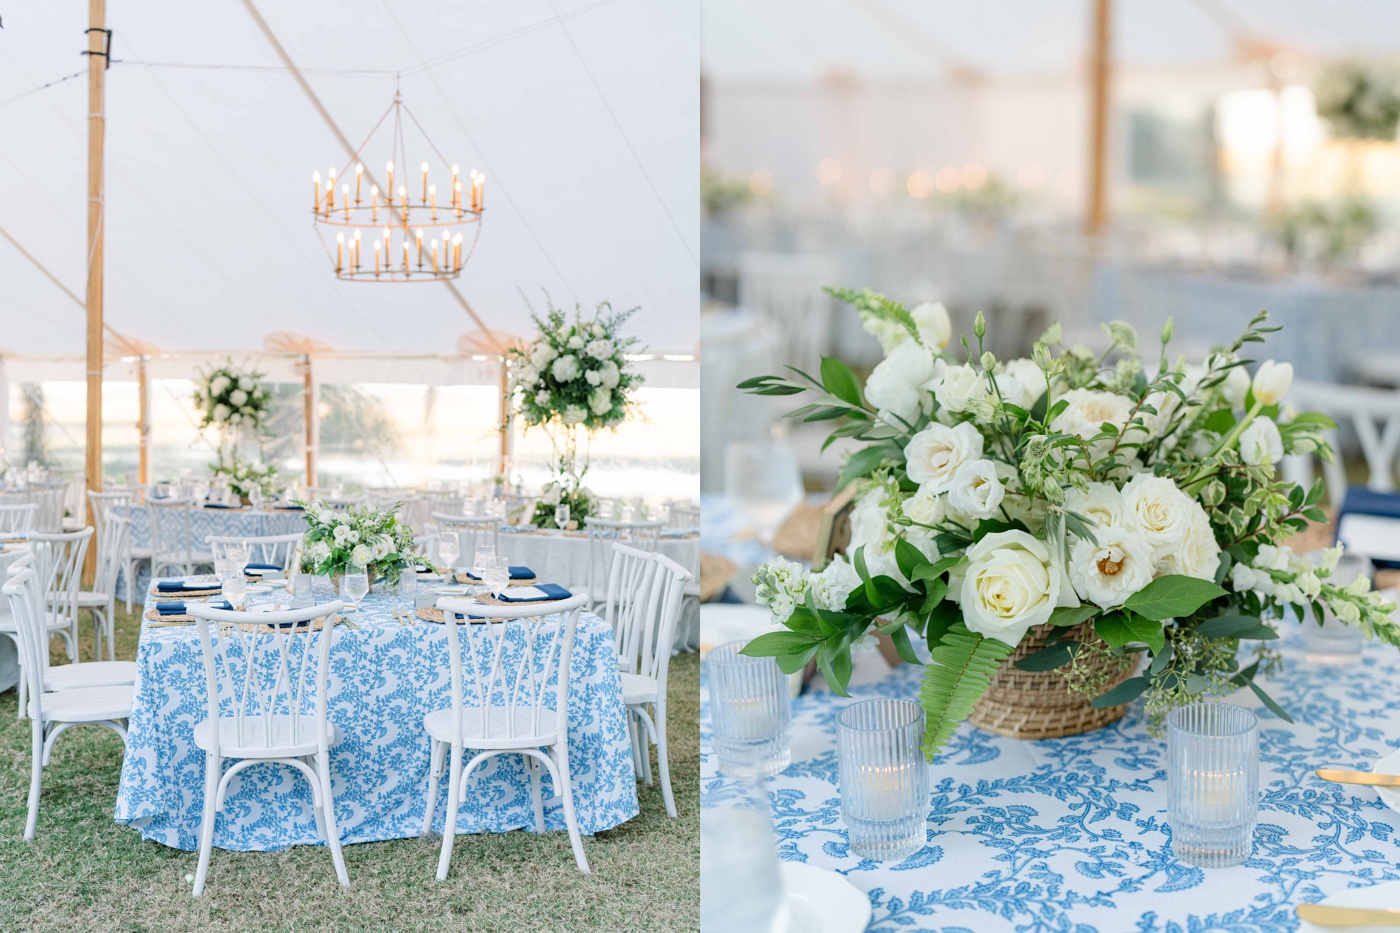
x,y
496,574
449,548
356,584
561,514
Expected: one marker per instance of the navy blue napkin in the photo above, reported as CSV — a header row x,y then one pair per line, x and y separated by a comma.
x,y
174,607
260,568
519,572
220,505
552,591
178,586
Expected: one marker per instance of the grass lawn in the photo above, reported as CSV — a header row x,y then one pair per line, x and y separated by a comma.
x,y
84,872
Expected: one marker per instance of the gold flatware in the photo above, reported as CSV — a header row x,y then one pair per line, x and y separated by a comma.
x,y
1358,777
1325,916
167,624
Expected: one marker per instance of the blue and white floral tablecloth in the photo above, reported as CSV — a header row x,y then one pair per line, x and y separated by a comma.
x,y
384,678
1070,836
203,523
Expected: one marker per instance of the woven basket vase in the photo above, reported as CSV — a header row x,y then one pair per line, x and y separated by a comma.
x,y
1038,704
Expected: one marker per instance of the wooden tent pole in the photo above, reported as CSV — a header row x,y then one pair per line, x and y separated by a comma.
x,y
143,388
308,398
97,129
1099,77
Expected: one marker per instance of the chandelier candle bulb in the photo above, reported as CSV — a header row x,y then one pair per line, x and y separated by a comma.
x,y
432,201
456,196
405,255
433,254
425,182
403,196
345,196
389,168
373,203
339,252
316,203
419,235
457,251
377,246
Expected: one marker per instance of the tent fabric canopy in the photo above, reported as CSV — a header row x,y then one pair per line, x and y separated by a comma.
x,y
583,114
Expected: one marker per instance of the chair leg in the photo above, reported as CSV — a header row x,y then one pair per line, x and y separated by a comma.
x,y
633,728
536,794
332,829
110,629
36,777
570,820
129,574
99,631
23,696
434,778
644,749
663,761
317,812
206,829
454,802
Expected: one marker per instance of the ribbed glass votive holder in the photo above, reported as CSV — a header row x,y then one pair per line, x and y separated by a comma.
x,y
751,711
1212,783
884,779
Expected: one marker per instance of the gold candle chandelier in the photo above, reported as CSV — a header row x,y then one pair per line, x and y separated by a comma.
x,y
394,234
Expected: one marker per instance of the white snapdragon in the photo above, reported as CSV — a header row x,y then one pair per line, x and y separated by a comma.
x,y
931,320
780,584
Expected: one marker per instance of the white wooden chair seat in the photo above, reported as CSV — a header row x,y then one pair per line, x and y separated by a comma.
x,y
439,725
56,623
637,690
90,674
88,704
89,600
263,738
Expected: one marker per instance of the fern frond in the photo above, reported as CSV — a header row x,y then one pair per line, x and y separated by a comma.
x,y
962,668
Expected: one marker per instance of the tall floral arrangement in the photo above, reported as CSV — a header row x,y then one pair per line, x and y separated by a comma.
x,y
580,500
1359,101
244,476
375,539
1000,496
227,397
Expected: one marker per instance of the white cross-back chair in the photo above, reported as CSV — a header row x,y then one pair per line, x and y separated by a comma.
x,y
263,549
603,533
101,600
261,671
472,530
52,713
17,518
120,503
172,542
1375,416
682,515
643,603
501,685
76,674
60,562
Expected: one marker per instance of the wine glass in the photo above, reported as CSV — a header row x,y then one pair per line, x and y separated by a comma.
x,y
235,585
496,573
356,584
561,514
220,551
449,549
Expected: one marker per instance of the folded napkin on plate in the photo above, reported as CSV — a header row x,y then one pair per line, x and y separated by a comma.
x,y
534,594
260,568
220,505
516,573
180,586
292,508
174,607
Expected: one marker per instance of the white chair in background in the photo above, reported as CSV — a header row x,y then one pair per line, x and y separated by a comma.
x,y
17,518
499,705
263,549
59,558
1374,414
682,515
120,502
603,533
172,542
788,289
472,530
648,603
49,498
51,714
267,724
101,600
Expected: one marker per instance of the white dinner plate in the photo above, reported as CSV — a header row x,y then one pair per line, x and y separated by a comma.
x,y
258,588
451,590
1385,896
821,901
1390,764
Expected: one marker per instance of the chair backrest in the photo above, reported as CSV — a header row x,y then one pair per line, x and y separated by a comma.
x,y
653,648
24,590
471,531
102,505
111,551
263,549
260,665
170,529
603,533
1375,416
50,499
60,559
682,515
503,678
17,518
446,505
629,585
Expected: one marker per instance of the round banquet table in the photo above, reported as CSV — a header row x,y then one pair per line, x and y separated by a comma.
x,y
1071,834
204,522
384,678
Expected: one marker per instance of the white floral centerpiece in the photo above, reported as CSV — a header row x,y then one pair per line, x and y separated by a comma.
x,y
229,398
1359,100
574,377
580,500
1060,493
244,476
374,539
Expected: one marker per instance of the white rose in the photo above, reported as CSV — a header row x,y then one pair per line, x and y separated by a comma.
x,y
576,342
542,399
1156,509
1260,443
935,329
574,415
600,400
976,489
221,412
1107,573
1198,554
238,397
593,377
611,375
925,507
598,330
1010,584
565,369
1088,410
1030,376
959,387
1101,504
552,494
600,349
896,386
360,555
353,537
935,453
1271,382
219,386
246,384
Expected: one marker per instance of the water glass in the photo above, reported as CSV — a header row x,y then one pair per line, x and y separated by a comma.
x,y
1212,783
235,585
408,583
561,514
483,554
751,708
448,549
1334,642
496,575
301,589
356,583
884,780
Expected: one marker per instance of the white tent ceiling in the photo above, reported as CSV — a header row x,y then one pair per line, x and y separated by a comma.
x,y
584,115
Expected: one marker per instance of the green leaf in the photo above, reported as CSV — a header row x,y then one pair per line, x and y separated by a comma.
x,y
840,381
1313,417
941,619
1121,629
1066,616
774,644
1125,692
908,557
1172,596
862,463
962,669
1245,678
933,571
1235,627
1049,658
1219,421
900,637
1160,661
989,526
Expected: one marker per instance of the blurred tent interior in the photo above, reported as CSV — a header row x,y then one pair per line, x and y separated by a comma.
x,y
1245,153
216,118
